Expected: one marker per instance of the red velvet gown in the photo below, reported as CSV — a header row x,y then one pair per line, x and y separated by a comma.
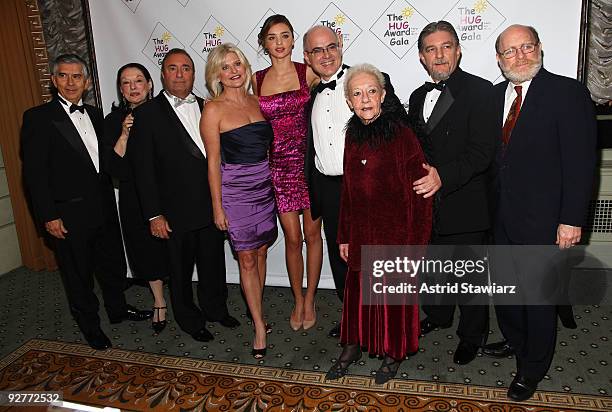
x,y
379,207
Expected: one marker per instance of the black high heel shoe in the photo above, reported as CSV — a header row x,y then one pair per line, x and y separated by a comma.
x,y
340,367
387,371
160,325
259,353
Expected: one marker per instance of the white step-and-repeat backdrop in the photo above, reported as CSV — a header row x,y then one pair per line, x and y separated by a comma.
x,y
383,33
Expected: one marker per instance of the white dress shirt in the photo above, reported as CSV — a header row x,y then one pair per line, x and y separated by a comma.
x,y
189,114
431,98
511,95
330,113
86,130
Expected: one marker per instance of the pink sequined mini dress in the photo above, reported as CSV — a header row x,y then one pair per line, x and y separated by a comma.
x,y
286,112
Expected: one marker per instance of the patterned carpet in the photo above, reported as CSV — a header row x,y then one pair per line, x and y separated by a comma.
x,y
146,382
33,305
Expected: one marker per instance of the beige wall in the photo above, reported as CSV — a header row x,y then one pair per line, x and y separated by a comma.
x,y
10,256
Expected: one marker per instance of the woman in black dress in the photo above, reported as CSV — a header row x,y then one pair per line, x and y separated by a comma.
x,y
146,254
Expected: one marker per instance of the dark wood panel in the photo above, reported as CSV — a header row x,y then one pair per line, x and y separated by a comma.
x,y
24,84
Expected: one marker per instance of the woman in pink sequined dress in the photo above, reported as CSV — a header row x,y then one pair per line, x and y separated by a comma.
x,y
284,93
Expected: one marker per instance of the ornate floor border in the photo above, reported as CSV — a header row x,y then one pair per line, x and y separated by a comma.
x,y
555,400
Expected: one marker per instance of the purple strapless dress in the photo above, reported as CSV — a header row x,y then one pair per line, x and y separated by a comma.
x,y
246,188
286,112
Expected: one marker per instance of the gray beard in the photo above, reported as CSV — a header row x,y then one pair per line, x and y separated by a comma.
x,y
518,78
437,76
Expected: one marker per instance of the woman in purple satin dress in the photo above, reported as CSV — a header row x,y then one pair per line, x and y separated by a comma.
x,y
237,138
284,93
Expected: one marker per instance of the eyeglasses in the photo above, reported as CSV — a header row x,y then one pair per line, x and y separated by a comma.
x,y
319,51
525,48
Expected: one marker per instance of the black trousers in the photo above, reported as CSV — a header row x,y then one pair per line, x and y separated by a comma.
x,y
204,248
83,254
329,191
531,329
474,321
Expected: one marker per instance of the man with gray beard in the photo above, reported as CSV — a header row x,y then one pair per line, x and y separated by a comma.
x,y
544,181
454,120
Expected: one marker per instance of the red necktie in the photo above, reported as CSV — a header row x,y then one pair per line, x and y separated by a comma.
x,y
513,114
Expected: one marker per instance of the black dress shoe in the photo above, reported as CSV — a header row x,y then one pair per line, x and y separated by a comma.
x,y
465,353
98,340
566,315
427,326
500,349
522,388
203,335
334,332
133,314
229,322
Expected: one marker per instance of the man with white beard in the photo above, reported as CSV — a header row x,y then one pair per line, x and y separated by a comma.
x,y
544,180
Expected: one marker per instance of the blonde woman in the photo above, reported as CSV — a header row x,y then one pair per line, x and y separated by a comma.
x,y
237,139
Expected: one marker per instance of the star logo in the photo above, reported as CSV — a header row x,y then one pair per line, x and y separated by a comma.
x,y
166,37
211,35
480,6
339,19
407,12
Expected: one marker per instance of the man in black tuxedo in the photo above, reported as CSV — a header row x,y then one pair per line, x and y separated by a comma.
x,y
544,181
74,201
171,175
454,120
328,113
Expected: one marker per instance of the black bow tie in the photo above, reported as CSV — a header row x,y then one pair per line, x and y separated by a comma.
x,y
429,86
329,85
75,107
322,86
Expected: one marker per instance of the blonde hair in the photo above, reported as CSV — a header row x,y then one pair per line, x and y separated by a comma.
x,y
216,60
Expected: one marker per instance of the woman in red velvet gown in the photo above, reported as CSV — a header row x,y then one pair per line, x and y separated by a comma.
x,y
382,158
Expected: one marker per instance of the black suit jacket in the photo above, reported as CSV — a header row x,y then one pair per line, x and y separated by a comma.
x,y
309,166
170,171
60,177
459,141
545,175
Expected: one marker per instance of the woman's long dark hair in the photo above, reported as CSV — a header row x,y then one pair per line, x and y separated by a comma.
x,y
123,103
265,28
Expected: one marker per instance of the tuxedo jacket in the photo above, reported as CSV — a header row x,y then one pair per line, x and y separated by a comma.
x,y
60,177
170,172
545,175
459,141
309,160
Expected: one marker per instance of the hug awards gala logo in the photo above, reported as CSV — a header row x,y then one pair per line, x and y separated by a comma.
x,y
398,27
341,23
474,20
160,42
131,4
210,36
